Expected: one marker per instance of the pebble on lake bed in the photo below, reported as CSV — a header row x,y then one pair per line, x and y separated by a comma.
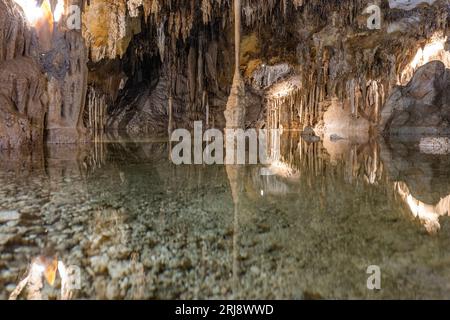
x,y
6,216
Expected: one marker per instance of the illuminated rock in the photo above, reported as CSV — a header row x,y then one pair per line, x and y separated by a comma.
x,y
421,107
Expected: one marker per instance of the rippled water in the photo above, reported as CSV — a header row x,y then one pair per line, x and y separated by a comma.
x,y
136,226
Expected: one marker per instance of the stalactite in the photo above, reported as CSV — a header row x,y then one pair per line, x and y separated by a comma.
x,y
192,68
351,91
161,41
286,111
235,112
207,11
180,17
192,29
96,112
205,106
170,124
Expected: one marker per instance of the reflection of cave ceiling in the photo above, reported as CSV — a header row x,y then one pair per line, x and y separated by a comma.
x,y
426,175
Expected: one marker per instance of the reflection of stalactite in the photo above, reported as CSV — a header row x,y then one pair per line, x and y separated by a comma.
x,y
373,165
426,213
236,249
97,157
310,158
352,164
361,163
40,268
234,115
235,174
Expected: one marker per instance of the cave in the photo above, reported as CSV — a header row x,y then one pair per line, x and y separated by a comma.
x,y
224,149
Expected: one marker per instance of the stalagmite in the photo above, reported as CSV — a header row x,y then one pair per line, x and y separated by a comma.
x,y
235,117
235,111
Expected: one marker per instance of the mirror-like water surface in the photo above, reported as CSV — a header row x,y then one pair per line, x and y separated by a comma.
x,y
135,226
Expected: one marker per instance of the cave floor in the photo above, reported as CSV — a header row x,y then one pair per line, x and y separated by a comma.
x,y
138,227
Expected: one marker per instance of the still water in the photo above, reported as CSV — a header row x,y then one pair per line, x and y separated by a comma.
x,y
130,224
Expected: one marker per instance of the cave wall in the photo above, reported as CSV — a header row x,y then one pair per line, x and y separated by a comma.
x,y
43,73
346,70
320,55
422,107
146,66
23,92
67,73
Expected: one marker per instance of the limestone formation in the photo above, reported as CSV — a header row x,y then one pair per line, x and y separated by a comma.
x,y
66,68
150,66
23,98
422,106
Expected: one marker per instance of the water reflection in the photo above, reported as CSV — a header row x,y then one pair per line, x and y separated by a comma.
x,y
138,227
45,267
428,214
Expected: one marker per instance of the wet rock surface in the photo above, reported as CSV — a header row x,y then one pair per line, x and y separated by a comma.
x,y
43,75
23,92
422,106
23,103
15,35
